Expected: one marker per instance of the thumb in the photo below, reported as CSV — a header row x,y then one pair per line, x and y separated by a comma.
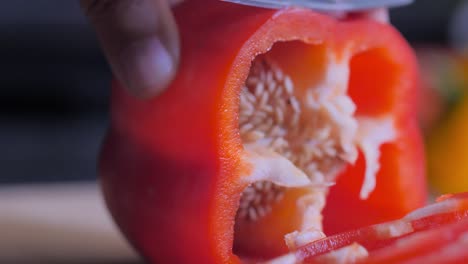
x,y
378,14
140,41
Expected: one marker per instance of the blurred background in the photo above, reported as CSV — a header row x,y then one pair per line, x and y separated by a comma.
x,y
55,83
54,87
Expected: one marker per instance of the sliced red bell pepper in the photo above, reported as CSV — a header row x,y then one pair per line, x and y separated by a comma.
x,y
437,233
173,168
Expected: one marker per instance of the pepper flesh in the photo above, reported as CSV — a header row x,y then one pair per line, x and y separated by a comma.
x,y
437,233
172,168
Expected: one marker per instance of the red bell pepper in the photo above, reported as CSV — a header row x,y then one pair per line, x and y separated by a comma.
x,y
437,233
178,171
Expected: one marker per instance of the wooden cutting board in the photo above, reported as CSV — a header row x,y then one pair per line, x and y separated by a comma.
x,y
59,223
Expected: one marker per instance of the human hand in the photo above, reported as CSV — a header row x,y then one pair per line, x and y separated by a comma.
x,y
140,41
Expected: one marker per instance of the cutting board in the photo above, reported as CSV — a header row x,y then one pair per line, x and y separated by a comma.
x,y
59,223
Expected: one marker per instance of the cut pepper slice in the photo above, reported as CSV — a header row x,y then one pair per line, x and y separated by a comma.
x,y
437,233
269,109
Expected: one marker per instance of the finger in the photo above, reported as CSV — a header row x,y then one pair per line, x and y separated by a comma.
x,y
378,14
140,41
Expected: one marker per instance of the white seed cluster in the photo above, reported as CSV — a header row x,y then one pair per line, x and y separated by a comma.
x,y
257,200
271,115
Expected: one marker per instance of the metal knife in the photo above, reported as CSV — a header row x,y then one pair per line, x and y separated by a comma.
x,y
325,5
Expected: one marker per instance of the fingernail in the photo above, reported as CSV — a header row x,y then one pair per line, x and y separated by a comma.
x,y
167,31
145,67
380,14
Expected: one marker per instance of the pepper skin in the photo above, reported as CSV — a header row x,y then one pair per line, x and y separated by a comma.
x,y
171,167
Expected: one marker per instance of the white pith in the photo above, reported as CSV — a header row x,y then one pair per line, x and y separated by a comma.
x,y
393,229
298,239
437,208
305,142
349,254
345,255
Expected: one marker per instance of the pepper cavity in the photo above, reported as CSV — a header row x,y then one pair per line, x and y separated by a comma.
x,y
305,131
315,129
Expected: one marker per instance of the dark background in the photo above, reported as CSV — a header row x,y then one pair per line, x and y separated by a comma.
x,y
54,85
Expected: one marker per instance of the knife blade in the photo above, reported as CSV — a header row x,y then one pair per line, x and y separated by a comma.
x,y
325,5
